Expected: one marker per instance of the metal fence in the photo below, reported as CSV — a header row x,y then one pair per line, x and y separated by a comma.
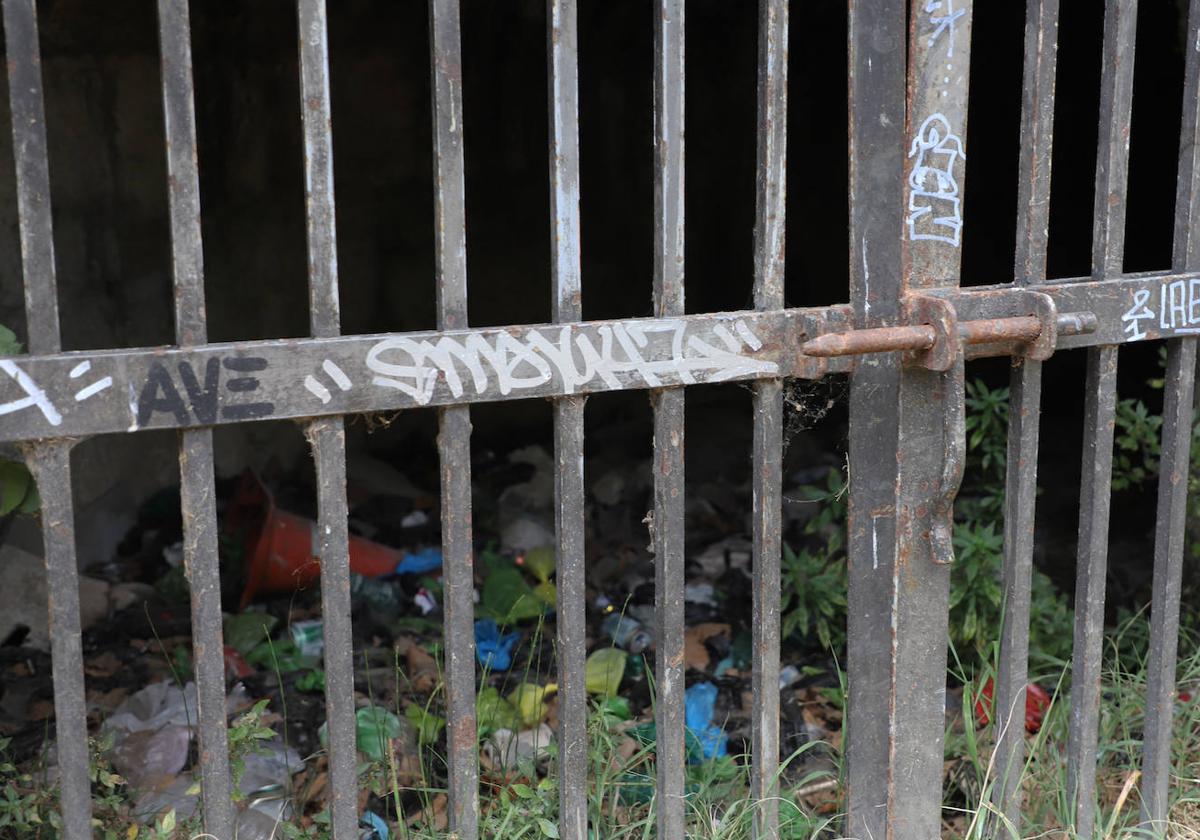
x,y
904,336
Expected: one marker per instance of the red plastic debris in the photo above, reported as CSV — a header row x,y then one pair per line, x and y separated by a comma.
x,y
279,545
1036,703
236,667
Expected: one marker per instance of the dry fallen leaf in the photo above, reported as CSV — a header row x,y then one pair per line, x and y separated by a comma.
x,y
434,816
423,669
695,654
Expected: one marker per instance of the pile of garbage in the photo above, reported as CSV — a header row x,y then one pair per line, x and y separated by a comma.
x,y
142,697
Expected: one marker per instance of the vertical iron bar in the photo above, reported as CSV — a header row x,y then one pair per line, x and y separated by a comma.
x,y
668,407
1108,254
1173,470
1012,671
327,435
876,38
769,229
197,487
571,621
50,462
454,423
1037,125
1100,399
929,459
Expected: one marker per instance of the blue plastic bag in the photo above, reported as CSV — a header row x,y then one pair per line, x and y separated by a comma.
x,y
420,562
699,702
493,649
376,826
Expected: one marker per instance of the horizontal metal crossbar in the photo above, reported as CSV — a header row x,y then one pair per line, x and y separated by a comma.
x,y
72,394
100,392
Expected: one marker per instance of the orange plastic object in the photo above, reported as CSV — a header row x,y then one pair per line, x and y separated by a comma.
x,y
1036,703
279,545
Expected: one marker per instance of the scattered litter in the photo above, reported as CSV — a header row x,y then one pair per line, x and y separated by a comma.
x,y
700,593
308,636
247,630
380,595
494,649
279,550
236,667
695,652
699,704
627,632
416,519
374,729
420,562
789,675
604,670
617,707
155,706
281,656
530,701
1036,703
508,597
374,827
425,601
731,553
507,749
147,758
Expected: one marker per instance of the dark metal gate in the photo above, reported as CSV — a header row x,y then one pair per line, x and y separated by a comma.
x,y
904,336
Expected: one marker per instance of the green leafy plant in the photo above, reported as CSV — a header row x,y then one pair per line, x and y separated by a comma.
x,y
1137,436
246,734
814,580
982,499
976,598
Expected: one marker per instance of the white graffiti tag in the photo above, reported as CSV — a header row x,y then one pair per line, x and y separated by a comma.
x,y
1138,312
34,395
532,359
944,22
934,206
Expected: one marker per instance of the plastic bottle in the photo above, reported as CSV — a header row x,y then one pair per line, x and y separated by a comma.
x,y
627,632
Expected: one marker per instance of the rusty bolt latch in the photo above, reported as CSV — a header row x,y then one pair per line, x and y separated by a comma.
x,y
933,326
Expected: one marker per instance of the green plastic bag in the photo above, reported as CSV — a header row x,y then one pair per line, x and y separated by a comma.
x,y
509,598
617,707
374,729
246,631
269,655
604,671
